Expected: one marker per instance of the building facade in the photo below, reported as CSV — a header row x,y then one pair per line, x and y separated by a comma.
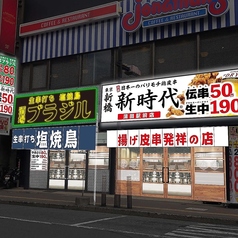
x,y
132,41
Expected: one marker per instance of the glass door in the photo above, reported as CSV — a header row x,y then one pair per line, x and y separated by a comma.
x,y
153,171
67,172
77,170
57,172
167,171
179,171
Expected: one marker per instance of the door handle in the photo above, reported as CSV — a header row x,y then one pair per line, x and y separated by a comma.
x,y
167,174
163,174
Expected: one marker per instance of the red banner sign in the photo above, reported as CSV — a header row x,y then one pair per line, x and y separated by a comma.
x,y
178,137
74,18
8,25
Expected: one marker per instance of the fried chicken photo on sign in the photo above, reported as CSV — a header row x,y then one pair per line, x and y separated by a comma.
x,y
208,78
172,111
199,79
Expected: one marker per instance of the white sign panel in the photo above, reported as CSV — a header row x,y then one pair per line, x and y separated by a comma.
x,y
188,137
39,160
210,94
4,125
7,84
233,165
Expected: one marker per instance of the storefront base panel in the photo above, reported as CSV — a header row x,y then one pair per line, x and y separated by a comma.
x,y
151,188
76,184
128,188
56,184
206,193
209,193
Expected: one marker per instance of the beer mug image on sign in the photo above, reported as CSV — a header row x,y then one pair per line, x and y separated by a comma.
x,y
232,77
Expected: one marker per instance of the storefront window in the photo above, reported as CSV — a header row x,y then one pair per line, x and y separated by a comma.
x,y
57,169
179,164
173,56
153,165
76,170
77,165
209,166
97,67
153,170
128,164
99,158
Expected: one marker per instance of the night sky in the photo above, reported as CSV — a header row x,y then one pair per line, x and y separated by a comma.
x,y
39,9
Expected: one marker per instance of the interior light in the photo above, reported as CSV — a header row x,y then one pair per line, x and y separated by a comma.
x,y
161,60
204,54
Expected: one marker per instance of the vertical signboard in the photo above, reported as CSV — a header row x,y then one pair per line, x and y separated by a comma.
x,y
233,164
4,125
7,83
8,24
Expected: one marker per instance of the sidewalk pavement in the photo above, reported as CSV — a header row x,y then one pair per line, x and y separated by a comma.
x,y
138,206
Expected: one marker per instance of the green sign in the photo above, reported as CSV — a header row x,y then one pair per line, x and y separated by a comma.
x,y
59,107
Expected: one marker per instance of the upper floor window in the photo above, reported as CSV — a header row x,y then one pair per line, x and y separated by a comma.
x,y
25,79
175,55
64,72
138,57
218,49
34,76
97,67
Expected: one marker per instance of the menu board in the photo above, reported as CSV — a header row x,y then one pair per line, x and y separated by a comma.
x,y
39,160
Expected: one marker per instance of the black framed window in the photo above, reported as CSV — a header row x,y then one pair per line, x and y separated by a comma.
x,y
25,79
218,49
138,59
97,67
39,76
34,76
176,55
64,72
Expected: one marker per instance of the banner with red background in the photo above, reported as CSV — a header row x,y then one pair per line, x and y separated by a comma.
x,y
8,25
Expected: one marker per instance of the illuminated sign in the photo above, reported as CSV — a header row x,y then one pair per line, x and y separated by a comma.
x,y
71,106
55,138
7,84
213,94
156,13
179,137
105,11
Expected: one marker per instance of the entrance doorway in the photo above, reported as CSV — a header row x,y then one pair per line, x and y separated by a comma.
x,y
67,170
172,172
167,171
164,172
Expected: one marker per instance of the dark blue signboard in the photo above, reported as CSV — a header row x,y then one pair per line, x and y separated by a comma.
x,y
55,138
